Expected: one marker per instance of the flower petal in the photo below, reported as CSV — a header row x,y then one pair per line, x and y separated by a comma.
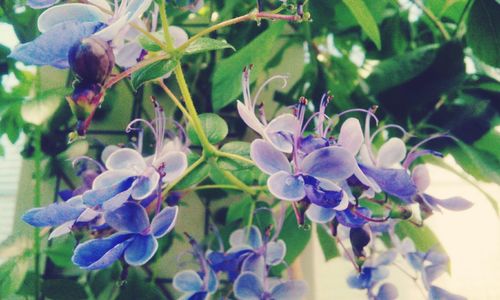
x,y
387,291
52,215
286,187
267,158
351,136
365,180
174,164
130,217
62,229
101,4
332,163
395,182
244,237
128,55
126,158
280,132
136,8
72,12
120,190
100,253
275,252
437,293
454,203
188,281
52,47
212,283
392,152
290,290
319,214
179,35
249,118
350,219
140,250
256,264
311,143
248,287
145,185
112,177
322,192
38,4
432,272
164,222
113,30
421,178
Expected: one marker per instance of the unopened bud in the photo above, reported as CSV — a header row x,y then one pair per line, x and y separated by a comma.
x,y
91,60
360,237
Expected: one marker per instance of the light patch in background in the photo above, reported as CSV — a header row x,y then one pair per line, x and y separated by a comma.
x,y
8,37
471,238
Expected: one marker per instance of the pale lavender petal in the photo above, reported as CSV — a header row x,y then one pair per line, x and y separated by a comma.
x,y
38,4
421,178
127,159
351,136
286,187
174,164
242,237
74,12
108,151
290,290
366,180
332,163
436,257
112,177
275,252
187,281
136,8
113,30
131,217
88,215
120,190
392,152
256,264
385,258
432,272
212,283
248,287
179,36
140,250
128,55
249,118
267,158
145,185
319,214
454,203
437,293
280,131
62,229
164,222
52,215
101,4
396,182
100,253
387,291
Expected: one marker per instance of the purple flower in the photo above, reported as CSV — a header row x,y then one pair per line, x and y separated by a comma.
x,y
135,239
312,177
372,272
196,285
249,286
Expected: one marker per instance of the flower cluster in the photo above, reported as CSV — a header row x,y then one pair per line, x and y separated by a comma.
x,y
118,199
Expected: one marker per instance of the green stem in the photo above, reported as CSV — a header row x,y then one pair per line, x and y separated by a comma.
x,y
439,25
37,203
233,179
187,172
222,186
234,157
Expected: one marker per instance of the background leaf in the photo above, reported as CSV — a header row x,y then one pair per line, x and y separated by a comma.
x,y
483,31
153,71
214,127
327,242
361,12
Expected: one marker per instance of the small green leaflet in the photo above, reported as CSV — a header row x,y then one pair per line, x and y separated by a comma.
x,y
153,71
214,126
365,19
207,44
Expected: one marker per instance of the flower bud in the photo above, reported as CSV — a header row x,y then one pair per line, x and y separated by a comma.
x,y
91,60
360,237
83,103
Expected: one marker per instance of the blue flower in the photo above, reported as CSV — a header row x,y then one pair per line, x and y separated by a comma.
x,y
135,239
62,26
196,285
372,272
38,4
249,286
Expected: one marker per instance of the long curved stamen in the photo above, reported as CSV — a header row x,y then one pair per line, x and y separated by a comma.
x,y
245,84
309,120
379,130
266,83
370,112
412,156
130,126
154,17
86,158
160,127
368,144
433,137
325,99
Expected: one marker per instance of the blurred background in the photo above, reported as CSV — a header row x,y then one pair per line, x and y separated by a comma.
x,y
431,66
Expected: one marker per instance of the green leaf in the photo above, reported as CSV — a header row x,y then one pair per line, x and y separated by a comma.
x,y
149,44
327,242
239,148
153,71
423,237
480,164
102,281
207,44
61,251
137,288
196,176
12,274
365,19
63,289
296,238
483,31
238,210
214,127
226,85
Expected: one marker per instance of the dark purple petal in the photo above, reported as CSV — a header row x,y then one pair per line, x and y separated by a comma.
x,y
229,263
367,277
100,253
267,158
387,291
130,217
248,287
350,219
290,290
311,143
53,215
437,293
188,281
52,47
320,214
286,187
164,222
332,163
140,250
121,189
396,182
322,193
